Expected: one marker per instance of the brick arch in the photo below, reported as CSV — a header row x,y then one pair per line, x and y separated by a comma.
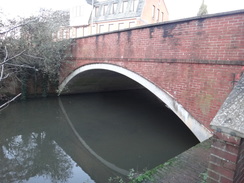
x,y
201,132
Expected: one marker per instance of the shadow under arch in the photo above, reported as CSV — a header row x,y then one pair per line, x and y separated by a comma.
x,y
200,131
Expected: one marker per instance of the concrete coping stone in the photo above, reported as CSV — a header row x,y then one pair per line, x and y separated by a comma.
x,y
230,117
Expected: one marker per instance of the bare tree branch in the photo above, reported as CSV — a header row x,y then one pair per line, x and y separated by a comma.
x,y
34,57
1,74
2,64
15,27
10,29
6,103
25,66
6,53
6,76
6,60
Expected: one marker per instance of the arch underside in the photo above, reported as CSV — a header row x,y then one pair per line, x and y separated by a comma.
x,y
201,132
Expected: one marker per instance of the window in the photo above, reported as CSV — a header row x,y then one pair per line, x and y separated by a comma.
x,y
101,29
105,7
93,29
121,26
86,31
134,5
158,15
96,11
79,32
73,32
110,27
114,8
79,13
132,24
65,34
162,16
123,6
153,11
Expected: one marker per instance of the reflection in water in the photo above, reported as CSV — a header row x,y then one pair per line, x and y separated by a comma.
x,y
106,163
33,154
29,151
88,138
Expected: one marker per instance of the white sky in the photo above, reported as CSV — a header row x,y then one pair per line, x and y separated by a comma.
x,y
177,8
188,8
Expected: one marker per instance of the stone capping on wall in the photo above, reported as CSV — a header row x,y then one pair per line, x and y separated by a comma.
x,y
170,22
230,117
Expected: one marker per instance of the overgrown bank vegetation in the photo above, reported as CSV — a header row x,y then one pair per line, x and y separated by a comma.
x,y
30,53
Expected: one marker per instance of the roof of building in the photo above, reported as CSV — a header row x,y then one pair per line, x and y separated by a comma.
x,y
90,1
115,10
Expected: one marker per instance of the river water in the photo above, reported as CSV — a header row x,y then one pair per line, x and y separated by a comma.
x,y
88,138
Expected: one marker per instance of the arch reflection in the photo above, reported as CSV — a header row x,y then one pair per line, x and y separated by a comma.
x,y
89,149
102,135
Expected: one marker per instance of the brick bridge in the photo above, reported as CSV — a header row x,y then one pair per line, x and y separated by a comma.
x,y
191,64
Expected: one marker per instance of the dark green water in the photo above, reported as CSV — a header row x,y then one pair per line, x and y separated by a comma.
x,y
88,138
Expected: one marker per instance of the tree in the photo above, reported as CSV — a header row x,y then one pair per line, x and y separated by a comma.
x,y
37,38
28,47
5,57
32,154
203,9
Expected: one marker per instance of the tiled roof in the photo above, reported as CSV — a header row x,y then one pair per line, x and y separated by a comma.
x,y
117,14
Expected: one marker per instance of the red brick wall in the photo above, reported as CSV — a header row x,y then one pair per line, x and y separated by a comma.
x,y
239,176
194,60
223,158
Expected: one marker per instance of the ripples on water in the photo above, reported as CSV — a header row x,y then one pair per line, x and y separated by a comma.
x,y
88,138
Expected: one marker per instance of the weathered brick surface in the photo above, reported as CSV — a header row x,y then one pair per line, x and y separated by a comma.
x,y
196,60
225,158
213,175
239,176
225,180
188,167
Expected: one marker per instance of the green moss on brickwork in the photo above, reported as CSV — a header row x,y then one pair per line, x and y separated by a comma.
x,y
204,177
178,162
150,174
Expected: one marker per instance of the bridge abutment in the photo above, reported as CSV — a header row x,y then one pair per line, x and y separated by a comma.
x,y
227,158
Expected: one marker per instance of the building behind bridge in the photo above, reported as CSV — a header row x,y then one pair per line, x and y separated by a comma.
x,y
91,17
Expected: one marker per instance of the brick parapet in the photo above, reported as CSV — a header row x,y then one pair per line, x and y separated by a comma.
x,y
210,39
224,158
